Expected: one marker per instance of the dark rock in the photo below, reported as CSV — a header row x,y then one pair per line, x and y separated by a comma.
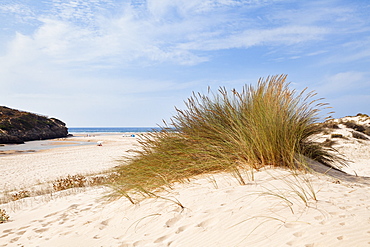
x,y
354,126
18,126
335,135
359,135
362,115
367,131
329,124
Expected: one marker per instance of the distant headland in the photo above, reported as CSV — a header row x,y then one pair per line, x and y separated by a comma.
x,y
16,127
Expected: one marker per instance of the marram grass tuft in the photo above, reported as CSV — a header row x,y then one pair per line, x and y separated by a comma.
x,y
263,125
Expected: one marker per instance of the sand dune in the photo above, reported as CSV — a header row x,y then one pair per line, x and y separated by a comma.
x,y
212,210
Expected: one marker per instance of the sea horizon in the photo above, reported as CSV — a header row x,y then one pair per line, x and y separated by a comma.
x,y
111,129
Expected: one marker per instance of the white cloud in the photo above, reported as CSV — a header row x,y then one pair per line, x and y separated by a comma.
x,y
344,83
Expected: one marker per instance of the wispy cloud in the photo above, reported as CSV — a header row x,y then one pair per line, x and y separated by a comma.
x,y
159,31
79,11
51,47
288,35
20,11
345,83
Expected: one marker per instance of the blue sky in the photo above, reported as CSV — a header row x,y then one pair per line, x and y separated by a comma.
x,y
129,63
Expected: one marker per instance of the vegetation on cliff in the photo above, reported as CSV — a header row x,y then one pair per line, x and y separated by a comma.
x,y
19,126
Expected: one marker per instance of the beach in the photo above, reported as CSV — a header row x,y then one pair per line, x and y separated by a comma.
x,y
272,208
23,170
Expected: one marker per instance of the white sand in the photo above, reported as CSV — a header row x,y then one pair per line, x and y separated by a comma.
x,y
22,170
218,211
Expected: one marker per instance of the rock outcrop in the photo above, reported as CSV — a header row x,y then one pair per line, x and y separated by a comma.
x,y
16,127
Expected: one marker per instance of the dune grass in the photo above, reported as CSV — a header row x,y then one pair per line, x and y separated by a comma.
x,y
264,125
3,216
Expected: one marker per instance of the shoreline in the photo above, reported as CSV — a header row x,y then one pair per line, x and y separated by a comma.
x,y
78,139
26,169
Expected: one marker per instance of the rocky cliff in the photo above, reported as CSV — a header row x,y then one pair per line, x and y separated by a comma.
x,y
18,126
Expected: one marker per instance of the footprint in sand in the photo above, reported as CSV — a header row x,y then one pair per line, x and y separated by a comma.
x,y
40,230
160,239
9,231
65,233
309,245
62,217
73,206
104,224
291,243
291,225
181,229
319,217
212,211
21,232
208,222
23,227
171,222
298,234
47,223
324,222
123,244
14,240
340,238
85,209
162,205
139,243
49,215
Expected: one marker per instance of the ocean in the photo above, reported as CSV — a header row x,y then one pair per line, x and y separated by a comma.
x,y
112,129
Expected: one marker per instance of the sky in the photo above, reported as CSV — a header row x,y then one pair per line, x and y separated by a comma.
x,y
129,63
